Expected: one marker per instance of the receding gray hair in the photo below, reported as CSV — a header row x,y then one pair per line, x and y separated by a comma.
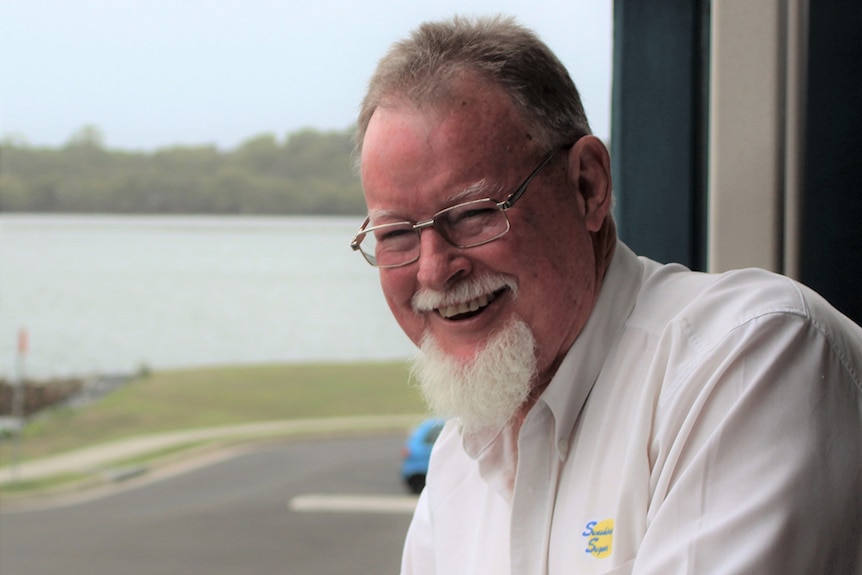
x,y
422,67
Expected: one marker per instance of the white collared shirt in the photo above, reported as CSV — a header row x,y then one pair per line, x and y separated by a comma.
x,y
700,424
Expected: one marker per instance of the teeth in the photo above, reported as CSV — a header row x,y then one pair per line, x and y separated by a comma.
x,y
464,307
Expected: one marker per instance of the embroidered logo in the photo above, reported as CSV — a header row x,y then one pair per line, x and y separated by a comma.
x,y
600,538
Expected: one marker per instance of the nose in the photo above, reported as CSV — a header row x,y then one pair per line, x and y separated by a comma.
x,y
440,263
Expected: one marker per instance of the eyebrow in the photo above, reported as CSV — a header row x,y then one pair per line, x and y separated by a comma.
x,y
477,188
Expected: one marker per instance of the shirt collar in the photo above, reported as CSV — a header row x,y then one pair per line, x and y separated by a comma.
x,y
566,394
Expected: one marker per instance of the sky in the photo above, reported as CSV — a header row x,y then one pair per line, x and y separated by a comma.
x,y
158,73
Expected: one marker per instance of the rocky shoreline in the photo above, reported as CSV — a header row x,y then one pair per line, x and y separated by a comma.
x,y
72,392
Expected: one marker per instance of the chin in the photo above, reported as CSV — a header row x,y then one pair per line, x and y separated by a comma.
x,y
483,388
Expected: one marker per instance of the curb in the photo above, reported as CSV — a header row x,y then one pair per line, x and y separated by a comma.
x,y
90,459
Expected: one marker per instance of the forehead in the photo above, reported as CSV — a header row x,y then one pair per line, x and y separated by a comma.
x,y
471,110
427,155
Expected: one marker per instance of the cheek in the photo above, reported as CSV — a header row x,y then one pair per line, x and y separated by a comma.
x,y
398,289
559,274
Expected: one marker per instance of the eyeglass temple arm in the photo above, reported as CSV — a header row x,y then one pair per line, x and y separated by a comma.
x,y
516,195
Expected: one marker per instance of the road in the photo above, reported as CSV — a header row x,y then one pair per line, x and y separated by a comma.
x,y
311,507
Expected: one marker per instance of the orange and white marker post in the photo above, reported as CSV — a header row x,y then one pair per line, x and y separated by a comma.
x,y
18,391
18,380
23,342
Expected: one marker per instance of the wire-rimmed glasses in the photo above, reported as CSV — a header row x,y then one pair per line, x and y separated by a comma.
x,y
464,225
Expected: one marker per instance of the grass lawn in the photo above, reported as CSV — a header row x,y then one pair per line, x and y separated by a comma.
x,y
195,398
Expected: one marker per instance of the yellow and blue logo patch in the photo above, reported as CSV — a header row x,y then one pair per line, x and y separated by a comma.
x,y
600,538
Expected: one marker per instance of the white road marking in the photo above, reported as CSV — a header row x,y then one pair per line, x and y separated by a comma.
x,y
337,503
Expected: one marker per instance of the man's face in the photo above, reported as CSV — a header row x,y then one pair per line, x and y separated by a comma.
x,y
416,162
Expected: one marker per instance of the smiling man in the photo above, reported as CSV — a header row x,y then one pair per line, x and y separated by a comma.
x,y
608,414
451,299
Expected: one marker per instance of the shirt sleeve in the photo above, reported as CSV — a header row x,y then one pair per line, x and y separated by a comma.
x,y
757,458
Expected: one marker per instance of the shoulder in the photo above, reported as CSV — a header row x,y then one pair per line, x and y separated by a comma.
x,y
710,305
672,293
696,317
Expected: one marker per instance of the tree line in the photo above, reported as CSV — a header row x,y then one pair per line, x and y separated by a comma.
x,y
310,172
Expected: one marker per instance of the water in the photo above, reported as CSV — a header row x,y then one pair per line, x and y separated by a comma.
x,y
105,294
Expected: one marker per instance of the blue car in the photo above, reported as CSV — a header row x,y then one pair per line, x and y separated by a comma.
x,y
417,451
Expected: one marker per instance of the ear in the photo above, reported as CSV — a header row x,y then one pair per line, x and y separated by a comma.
x,y
590,172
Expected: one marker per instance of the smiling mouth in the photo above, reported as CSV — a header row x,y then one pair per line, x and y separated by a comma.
x,y
468,309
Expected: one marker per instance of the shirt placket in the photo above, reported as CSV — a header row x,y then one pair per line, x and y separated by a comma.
x,y
534,494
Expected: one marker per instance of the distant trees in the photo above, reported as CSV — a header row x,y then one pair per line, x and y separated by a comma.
x,y
311,172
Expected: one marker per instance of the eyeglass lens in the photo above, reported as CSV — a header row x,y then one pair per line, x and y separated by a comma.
x,y
465,225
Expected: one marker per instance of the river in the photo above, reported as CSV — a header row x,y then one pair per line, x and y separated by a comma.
x,y
116,294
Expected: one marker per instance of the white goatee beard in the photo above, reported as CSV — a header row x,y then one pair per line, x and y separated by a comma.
x,y
486,392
